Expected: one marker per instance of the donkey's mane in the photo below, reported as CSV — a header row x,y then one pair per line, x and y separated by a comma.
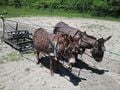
x,y
90,36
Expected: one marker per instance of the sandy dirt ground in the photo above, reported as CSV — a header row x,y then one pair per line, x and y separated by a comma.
x,y
22,73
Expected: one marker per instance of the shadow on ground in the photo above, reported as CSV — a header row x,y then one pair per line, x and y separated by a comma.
x,y
82,65
62,71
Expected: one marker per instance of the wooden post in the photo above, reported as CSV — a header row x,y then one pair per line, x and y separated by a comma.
x,y
16,26
2,17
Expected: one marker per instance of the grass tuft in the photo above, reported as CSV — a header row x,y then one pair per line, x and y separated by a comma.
x,y
13,56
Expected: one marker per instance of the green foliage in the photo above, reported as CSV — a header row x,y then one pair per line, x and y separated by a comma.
x,y
100,7
42,4
3,2
13,56
11,3
84,5
17,3
94,7
100,4
26,11
115,7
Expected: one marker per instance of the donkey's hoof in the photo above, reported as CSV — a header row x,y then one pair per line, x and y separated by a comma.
x,y
52,74
37,62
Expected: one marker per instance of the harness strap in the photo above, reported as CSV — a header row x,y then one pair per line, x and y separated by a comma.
x,y
55,49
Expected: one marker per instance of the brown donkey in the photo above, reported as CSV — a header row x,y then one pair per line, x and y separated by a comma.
x,y
53,45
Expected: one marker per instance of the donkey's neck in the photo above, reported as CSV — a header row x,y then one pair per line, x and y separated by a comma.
x,y
89,41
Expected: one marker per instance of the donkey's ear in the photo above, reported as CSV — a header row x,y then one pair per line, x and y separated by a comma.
x,y
106,39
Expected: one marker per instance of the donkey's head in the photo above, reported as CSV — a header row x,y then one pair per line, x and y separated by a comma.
x,y
98,49
71,50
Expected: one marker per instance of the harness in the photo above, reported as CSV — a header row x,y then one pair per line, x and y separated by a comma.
x,y
80,42
55,49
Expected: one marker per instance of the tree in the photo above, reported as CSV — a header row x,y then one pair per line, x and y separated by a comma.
x,y
4,2
100,7
17,3
115,7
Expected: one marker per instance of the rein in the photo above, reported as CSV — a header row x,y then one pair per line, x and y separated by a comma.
x,y
87,43
81,38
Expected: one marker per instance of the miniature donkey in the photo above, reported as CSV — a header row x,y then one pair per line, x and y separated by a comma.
x,y
84,40
54,46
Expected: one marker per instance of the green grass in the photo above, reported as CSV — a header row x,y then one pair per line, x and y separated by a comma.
x,y
24,11
13,56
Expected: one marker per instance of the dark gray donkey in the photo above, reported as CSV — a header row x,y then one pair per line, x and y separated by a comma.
x,y
96,46
84,40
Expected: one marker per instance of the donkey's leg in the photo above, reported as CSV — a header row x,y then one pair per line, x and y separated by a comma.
x,y
55,49
76,56
56,65
70,66
83,50
51,65
38,59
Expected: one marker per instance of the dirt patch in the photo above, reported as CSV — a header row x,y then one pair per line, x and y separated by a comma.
x,y
23,73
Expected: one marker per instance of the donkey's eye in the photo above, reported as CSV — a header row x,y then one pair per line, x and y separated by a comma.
x,y
95,48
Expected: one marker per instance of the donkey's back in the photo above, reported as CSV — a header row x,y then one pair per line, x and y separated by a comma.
x,y
41,41
62,27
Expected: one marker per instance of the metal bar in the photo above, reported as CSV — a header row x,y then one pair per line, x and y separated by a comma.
x,y
25,42
11,44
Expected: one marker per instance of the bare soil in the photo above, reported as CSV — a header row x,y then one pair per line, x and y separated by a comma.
x,y
19,72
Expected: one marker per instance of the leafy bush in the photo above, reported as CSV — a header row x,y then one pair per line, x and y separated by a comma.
x,y
115,7
95,7
100,7
84,5
17,3
3,2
